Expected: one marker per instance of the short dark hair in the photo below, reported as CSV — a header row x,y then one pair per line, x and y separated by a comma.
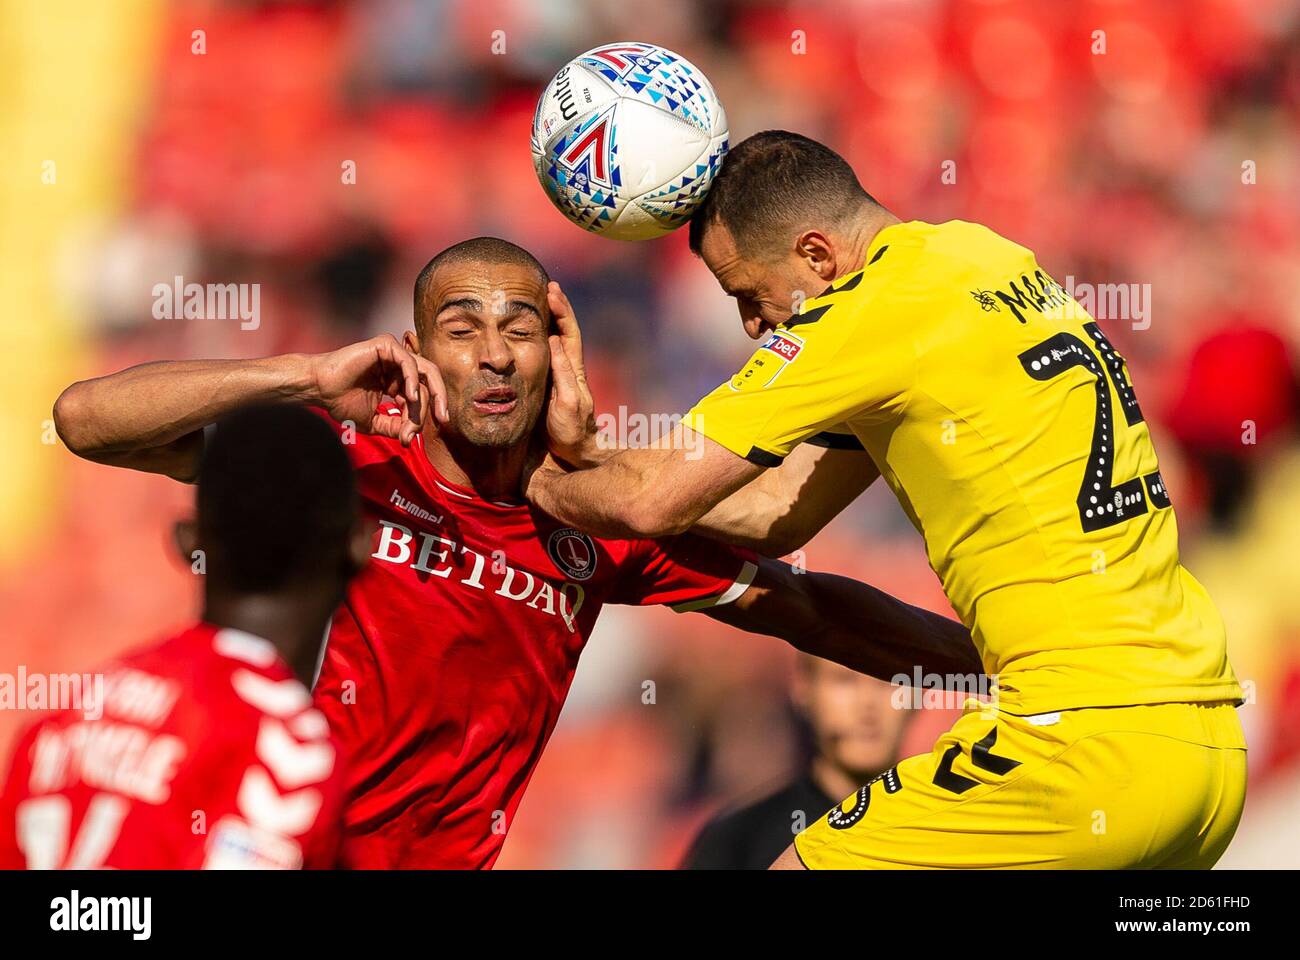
x,y
277,499
776,183
477,250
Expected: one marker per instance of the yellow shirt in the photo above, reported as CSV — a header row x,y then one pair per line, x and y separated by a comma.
x,y
1005,424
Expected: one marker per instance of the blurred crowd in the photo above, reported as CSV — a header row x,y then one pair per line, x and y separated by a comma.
x,y
326,150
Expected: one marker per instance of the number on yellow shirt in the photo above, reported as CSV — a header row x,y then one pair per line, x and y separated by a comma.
x,y
1102,503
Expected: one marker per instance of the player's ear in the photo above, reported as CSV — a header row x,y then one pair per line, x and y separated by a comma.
x,y
411,340
815,250
185,537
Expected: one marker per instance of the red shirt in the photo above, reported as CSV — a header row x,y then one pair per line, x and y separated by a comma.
x,y
448,664
204,751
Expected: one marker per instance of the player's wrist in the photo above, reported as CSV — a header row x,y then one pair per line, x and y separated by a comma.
x,y
594,450
300,377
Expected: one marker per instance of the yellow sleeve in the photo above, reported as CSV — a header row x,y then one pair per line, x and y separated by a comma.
x,y
833,362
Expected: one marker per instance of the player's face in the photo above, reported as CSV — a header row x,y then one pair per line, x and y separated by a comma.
x,y
854,721
487,336
767,292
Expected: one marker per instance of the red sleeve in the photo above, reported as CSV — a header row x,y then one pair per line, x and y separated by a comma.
x,y
687,572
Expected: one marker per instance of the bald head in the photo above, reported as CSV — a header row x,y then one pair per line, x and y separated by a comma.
x,y
482,317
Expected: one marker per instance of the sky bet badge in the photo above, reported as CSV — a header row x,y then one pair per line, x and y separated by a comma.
x,y
768,361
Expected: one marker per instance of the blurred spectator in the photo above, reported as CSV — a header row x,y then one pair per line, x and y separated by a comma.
x,y
856,731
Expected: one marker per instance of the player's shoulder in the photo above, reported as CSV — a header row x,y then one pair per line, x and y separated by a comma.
x,y
140,686
206,677
911,265
247,676
257,710
944,255
927,253
894,255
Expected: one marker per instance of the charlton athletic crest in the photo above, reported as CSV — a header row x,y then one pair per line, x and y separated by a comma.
x,y
573,552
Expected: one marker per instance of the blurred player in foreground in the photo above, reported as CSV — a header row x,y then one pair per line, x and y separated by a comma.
x,y
448,664
207,751
1005,423
856,729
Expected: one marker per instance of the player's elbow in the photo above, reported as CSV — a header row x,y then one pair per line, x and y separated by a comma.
x,y
650,519
652,526
72,415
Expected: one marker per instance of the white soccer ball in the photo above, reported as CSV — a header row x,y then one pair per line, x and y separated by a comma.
x,y
627,139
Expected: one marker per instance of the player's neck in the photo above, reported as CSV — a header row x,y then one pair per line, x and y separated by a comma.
x,y
294,625
860,235
493,473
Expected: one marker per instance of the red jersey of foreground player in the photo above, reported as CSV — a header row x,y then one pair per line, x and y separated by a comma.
x,y
205,752
448,663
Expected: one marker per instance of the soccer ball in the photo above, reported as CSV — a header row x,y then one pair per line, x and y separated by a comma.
x,y
626,140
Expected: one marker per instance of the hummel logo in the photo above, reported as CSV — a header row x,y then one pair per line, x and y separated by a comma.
x,y
413,509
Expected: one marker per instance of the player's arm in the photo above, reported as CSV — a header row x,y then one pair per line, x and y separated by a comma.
x,y
785,507
850,623
645,493
151,417
711,470
779,511
642,493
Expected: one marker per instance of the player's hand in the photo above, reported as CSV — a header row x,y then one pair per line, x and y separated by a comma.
x,y
352,382
570,414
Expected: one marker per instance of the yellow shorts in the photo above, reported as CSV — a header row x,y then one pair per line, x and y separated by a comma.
x,y
1158,786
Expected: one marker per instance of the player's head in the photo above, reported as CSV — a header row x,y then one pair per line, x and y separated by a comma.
x,y
481,316
278,527
854,722
778,224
